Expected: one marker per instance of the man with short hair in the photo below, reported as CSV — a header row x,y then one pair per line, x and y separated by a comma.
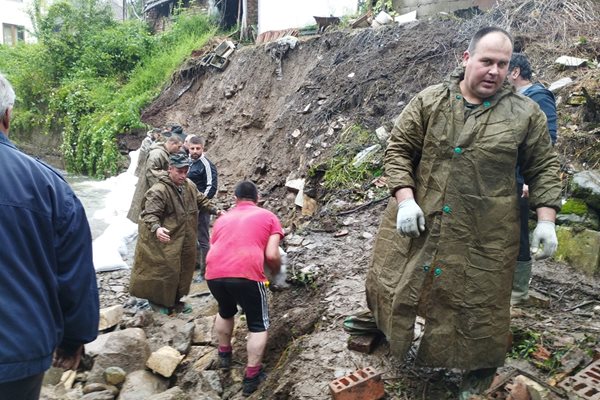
x,y
244,240
165,253
48,286
204,174
520,75
448,242
156,163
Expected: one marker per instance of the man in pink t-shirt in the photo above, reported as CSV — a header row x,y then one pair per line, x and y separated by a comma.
x,y
243,241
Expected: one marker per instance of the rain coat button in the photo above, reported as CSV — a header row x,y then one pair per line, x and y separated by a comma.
x,y
486,104
458,150
437,272
447,209
458,97
426,268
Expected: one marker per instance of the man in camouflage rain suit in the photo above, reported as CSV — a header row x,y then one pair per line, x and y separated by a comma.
x,y
165,254
448,242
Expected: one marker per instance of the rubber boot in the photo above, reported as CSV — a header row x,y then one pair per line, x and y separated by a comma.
x,y
476,382
521,279
201,264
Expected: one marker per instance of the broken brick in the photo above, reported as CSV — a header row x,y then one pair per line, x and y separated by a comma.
x,y
363,343
364,384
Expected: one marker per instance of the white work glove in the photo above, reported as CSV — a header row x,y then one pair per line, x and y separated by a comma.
x,y
410,220
544,235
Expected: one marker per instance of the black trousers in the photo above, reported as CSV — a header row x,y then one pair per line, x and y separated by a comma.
x,y
524,253
24,389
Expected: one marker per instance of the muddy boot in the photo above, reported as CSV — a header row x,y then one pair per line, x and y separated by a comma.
x,y
476,382
201,264
521,278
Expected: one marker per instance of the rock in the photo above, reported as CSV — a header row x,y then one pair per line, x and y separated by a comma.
x,y
175,393
382,133
103,395
586,186
534,389
365,155
296,133
110,317
114,375
367,235
164,361
341,233
93,387
142,384
581,249
203,330
183,338
126,349
568,61
309,206
212,381
559,84
52,376
207,108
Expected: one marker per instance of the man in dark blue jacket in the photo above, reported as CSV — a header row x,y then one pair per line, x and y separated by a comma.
x,y
520,75
204,174
48,291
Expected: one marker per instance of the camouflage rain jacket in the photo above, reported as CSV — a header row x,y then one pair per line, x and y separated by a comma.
x,y
458,273
162,272
156,162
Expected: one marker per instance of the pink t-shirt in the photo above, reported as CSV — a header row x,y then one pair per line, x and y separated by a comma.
x,y
238,242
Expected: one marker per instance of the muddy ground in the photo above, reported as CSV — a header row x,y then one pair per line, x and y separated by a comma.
x,y
272,128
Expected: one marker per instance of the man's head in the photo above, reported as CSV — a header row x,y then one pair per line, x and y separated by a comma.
x,y
173,144
7,100
154,133
186,142
486,64
176,130
246,191
196,147
519,70
178,168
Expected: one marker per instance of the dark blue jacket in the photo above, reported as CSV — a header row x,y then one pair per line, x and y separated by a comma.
x,y
545,99
48,290
204,174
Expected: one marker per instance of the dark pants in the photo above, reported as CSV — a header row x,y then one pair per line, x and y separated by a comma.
x,y
203,224
24,389
524,253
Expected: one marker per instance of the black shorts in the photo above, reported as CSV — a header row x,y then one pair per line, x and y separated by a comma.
x,y
250,295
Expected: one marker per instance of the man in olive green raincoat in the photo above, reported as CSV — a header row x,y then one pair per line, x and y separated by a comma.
x,y
449,238
165,254
155,164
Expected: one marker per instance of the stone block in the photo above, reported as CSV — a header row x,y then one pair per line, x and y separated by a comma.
x,y
164,361
203,330
363,343
364,384
110,317
580,248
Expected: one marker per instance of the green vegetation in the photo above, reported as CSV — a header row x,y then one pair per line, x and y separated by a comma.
x,y
89,77
574,206
340,172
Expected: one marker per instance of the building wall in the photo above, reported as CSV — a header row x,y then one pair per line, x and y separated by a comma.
x,y
429,7
283,14
14,12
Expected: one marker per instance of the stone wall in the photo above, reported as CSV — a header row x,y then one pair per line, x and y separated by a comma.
x,y
429,7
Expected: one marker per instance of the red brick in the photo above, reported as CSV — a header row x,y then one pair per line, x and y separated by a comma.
x,y
364,384
364,343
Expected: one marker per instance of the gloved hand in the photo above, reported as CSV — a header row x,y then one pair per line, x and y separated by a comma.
x,y
410,220
545,235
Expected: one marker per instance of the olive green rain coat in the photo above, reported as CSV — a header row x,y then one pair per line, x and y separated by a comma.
x,y
162,272
156,163
458,273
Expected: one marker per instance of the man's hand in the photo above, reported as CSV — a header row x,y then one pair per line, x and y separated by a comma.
x,y
162,234
544,235
67,360
525,192
410,220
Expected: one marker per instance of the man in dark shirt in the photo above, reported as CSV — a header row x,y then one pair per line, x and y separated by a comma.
x,y
204,174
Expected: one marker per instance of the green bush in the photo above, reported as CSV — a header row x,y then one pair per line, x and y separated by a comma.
x,y
89,77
